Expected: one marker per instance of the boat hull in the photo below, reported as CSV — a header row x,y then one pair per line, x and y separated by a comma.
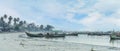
x,y
55,35
34,35
98,34
71,34
45,35
114,37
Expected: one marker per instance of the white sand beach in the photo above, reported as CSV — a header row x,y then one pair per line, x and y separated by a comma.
x,y
13,42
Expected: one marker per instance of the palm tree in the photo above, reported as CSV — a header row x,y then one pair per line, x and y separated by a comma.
x,y
5,16
31,27
16,26
3,24
20,26
21,23
24,26
1,21
9,23
18,19
49,27
10,19
24,22
41,27
15,20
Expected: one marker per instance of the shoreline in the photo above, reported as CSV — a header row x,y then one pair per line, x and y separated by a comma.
x,y
36,44
56,41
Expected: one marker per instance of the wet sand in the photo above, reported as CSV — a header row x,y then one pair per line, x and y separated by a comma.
x,y
13,42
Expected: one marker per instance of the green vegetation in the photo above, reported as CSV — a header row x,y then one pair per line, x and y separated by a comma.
x,y
11,24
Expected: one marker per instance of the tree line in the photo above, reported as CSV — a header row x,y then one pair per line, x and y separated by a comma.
x,y
15,24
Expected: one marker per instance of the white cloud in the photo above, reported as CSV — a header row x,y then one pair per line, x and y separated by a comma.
x,y
91,19
96,18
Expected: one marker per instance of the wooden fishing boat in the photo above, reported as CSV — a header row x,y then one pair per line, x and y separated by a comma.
x,y
54,35
34,35
98,34
48,35
114,36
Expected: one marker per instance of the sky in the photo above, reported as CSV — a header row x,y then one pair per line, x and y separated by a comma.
x,y
73,15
